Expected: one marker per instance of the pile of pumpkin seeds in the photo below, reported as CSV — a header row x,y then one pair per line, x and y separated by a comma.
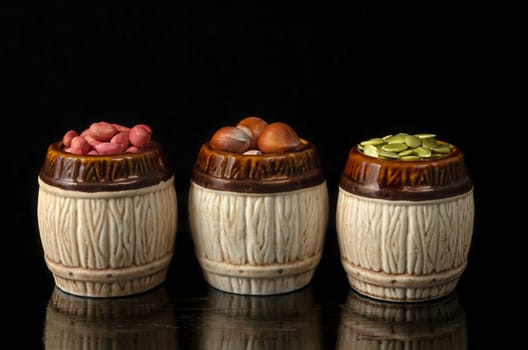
x,y
406,147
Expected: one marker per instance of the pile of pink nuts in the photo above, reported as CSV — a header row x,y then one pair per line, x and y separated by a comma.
x,y
104,138
253,135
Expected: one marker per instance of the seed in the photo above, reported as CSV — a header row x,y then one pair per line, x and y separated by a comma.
x,y
396,139
429,142
370,150
412,141
425,136
423,152
441,148
405,147
410,158
394,147
375,141
407,152
388,154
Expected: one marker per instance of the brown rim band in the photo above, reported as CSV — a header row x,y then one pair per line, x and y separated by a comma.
x,y
405,180
266,173
117,172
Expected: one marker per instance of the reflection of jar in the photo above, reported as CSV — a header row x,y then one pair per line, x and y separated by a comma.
x,y
134,322
285,321
404,227
107,223
258,221
374,324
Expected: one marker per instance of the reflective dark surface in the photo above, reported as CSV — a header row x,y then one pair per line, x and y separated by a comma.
x,y
338,75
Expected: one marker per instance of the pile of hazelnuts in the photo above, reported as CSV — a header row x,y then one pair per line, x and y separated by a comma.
x,y
254,135
104,138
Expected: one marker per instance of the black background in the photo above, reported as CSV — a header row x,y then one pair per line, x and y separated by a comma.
x,y
337,72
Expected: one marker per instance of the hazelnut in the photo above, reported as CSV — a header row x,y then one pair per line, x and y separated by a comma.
x,y
255,125
279,137
231,139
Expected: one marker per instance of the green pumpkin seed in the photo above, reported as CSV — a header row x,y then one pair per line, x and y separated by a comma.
x,y
412,141
394,147
375,141
405,147
423,152
429,142
407,152
425,136
441,148
410,158
370,150
396,139
388,154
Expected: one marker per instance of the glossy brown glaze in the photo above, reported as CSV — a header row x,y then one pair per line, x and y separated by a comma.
x,y
94,173
264,173
405,180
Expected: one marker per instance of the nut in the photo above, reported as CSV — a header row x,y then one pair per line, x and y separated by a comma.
x,y
279,137
255,125
231,139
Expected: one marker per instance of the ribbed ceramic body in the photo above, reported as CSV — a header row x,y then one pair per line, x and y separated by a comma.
x,y
107,223
258,222
404,227
368,324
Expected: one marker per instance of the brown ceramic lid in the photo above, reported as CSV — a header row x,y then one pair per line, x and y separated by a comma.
x,y
93,173
262,173
405,180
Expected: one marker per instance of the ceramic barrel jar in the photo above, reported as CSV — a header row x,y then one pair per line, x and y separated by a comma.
x,y
258,220
405,223
107,222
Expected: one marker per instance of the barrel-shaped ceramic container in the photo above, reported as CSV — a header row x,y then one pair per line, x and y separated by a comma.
x,y
258,222
107,223
404,227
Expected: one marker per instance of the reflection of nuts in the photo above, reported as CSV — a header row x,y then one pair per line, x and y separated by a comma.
x,y
255,126
278,137
231,139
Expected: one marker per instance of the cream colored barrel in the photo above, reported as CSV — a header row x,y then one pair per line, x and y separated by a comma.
x,y
251,243
404,228
404,250
110,243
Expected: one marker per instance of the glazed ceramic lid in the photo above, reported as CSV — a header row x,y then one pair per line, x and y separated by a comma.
x,y
94,173
405,180
261,173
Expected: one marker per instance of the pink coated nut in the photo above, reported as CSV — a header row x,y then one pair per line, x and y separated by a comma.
x,y
68,136
106,148
132,149
121,138
102,131
92,141
79,145
139,136
145,126
120,127
103,138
